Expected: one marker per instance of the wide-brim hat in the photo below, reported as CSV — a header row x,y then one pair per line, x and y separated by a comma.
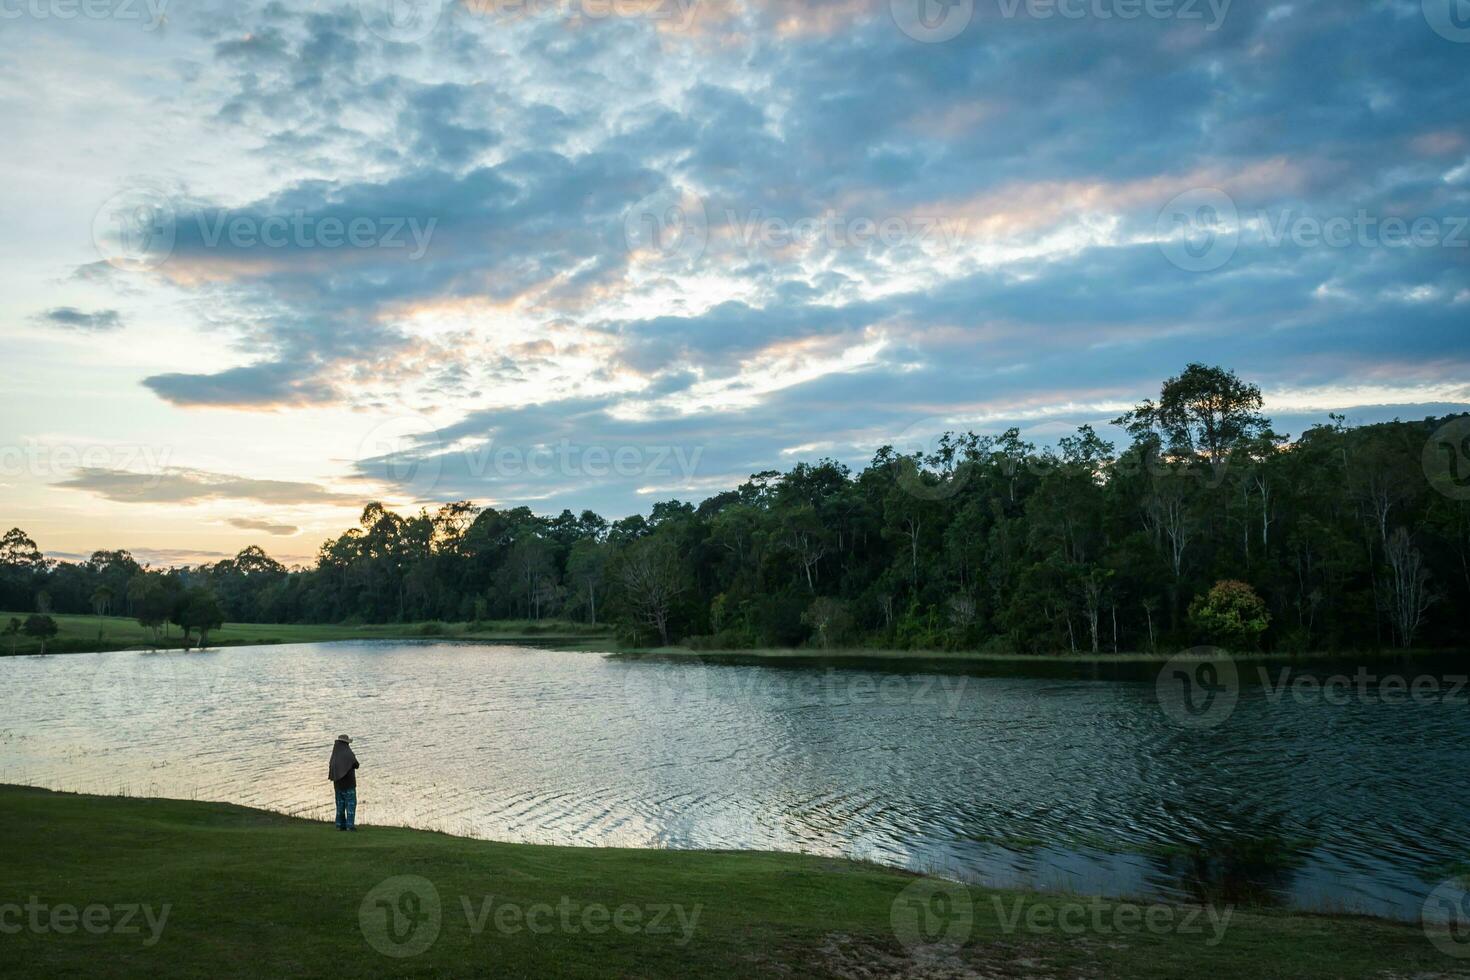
x,y
344,738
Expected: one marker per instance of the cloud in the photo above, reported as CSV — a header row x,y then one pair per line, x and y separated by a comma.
x,y
71,318
250,524
1051,144
264,385
509,235
153,557
177,485
529,199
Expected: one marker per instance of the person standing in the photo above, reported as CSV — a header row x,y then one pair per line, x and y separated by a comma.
x,y
342,771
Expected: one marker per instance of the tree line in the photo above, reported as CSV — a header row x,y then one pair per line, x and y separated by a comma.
x,y
1208,527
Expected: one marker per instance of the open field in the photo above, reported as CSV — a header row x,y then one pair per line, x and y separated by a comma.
x,y
89,634
252,893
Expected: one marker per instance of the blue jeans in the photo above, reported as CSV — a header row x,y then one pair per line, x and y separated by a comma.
x,y
346,808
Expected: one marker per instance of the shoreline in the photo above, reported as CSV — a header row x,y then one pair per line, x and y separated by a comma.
x,y
275,894
123,634
79,634
931,659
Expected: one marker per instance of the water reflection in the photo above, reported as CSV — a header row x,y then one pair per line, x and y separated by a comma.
x,y
1074,780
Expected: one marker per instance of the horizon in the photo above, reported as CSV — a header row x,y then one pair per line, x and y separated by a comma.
x,y
772,487
183,560
289,255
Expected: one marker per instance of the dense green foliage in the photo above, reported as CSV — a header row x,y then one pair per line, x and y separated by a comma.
x,y
985,542
255,894
40,627
1230,615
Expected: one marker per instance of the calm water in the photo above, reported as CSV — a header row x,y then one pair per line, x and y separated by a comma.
x,y
1075,783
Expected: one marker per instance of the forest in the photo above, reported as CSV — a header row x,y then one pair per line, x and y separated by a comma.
x,y
1208,527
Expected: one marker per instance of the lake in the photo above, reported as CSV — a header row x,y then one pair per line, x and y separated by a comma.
x,y
1083,782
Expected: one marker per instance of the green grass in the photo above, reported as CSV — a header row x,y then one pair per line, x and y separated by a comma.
x,y
257,894
88,634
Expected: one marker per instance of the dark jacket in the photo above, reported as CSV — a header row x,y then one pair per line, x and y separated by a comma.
x,y
342,770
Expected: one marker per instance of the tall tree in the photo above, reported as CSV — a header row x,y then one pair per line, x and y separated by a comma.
x,y
651,578
1202,414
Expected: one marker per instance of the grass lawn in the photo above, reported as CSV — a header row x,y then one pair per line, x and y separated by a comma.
x,y
88,634
250,893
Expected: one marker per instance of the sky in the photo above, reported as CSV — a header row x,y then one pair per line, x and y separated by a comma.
x,y
265,262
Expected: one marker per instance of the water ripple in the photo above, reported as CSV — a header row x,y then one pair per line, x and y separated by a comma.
x,y
1082,784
